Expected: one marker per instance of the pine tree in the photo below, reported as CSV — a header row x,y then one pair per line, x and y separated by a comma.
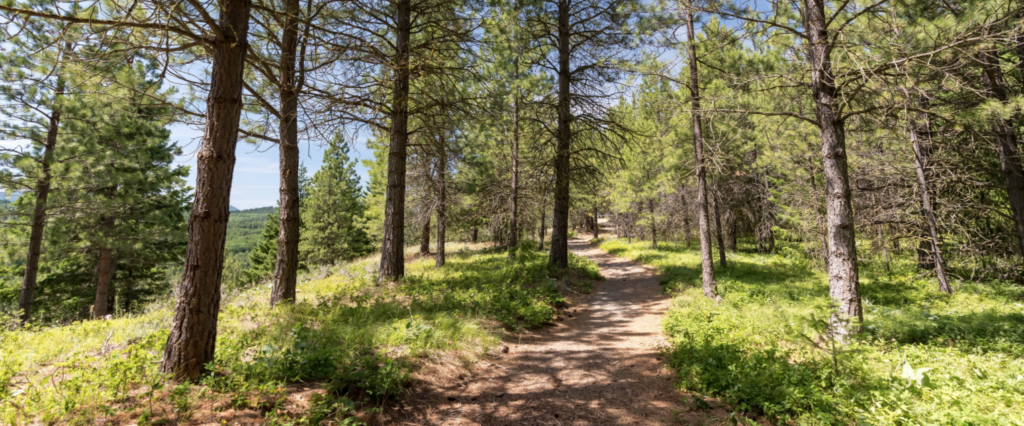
x,y
116,202
332,213
264,255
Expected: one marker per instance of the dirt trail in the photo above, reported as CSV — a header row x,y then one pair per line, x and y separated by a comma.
x,y
602,366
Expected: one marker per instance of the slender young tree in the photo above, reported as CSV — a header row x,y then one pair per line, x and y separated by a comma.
x,y
922,150
32,90
703,226
587,41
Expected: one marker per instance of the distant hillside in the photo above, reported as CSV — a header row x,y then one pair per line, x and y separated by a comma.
x,y
244,229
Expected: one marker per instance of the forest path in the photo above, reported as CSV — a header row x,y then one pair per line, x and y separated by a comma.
x,y
601,366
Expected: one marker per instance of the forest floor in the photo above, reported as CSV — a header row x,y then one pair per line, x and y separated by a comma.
x,y
601,364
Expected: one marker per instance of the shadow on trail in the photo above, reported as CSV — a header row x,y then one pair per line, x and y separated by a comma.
x,y
601,365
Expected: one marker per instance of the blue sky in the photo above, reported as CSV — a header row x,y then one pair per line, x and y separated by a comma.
x,y
256,175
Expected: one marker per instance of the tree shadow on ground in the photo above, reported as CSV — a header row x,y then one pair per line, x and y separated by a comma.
x,y
599,366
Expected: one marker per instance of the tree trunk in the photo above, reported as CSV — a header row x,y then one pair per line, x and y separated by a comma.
x,y
730,230
597,228
105,275
818,216
765,235
559,256
922,158
286,267
654,224
543,221
718,228
392,256
707,264
844,282
442,200
193,335
425,237
686,218
885,247
513,231
1009,152
35,239
473,234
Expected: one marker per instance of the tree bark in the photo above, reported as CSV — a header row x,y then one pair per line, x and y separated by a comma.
x,y
597,228
35,239
730,230
105,275
1009,152
392,256
718,229
559,256
543,222
686,218
286,267
922,154
513,231
844,281
707,264
765,235
442,202
190,345
425,237
654,224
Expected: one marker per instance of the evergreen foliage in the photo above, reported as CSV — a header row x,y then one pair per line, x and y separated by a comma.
x,y
332,211
264,254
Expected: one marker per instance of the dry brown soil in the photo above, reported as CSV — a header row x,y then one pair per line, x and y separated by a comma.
x,y
601,366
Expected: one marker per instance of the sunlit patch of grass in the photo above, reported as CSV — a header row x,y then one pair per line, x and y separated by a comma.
x,y
924,358
346,329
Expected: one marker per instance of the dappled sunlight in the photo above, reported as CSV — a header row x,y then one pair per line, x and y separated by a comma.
x,y
764,348
601,363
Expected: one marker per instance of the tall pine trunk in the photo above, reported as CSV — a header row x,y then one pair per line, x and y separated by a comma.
x,y
287,265
35,239
707,263
1009,152
730,230
513,232
559,256
193,335
442,202
654,223
105,274
392,256
543,222
844,282
718,228
425,236
922,163
686,217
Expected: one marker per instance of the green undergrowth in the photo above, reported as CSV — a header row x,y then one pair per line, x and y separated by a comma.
x,y
359,338
924,357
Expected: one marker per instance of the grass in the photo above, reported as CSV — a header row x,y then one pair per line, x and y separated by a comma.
x,y
924,357
358,338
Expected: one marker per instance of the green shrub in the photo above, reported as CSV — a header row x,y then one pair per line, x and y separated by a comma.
x,y
360,337
924,358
